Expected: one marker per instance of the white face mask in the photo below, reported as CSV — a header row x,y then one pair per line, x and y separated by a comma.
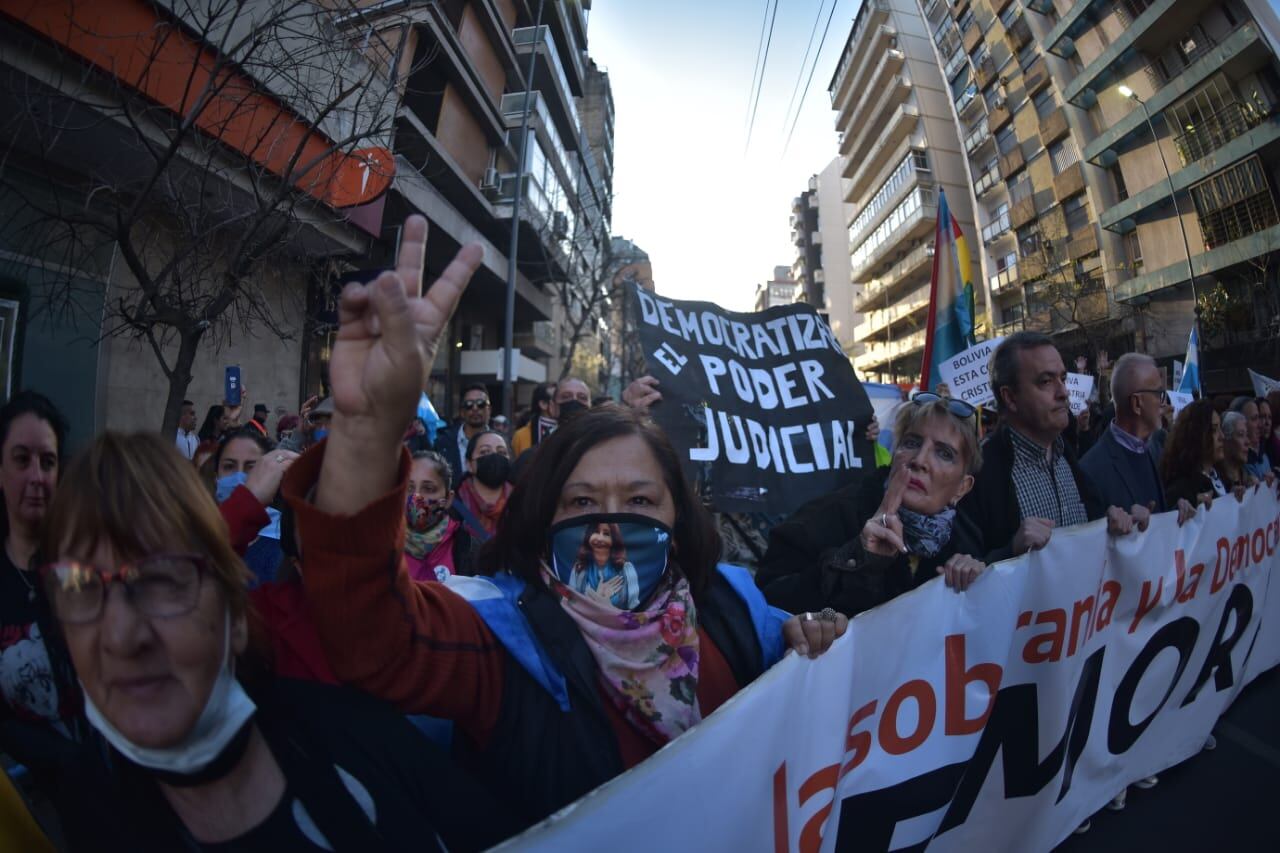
x,y
224,714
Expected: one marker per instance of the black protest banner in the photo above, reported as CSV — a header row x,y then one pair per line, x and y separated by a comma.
x,y
764,408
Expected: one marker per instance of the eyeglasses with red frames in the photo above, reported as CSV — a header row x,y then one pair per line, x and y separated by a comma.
x,y
159,586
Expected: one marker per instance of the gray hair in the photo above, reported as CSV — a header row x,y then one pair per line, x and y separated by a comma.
x,y
1233,422
1238,404
1004,361
1122,376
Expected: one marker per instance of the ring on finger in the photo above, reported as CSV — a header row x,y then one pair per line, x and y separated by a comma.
x,y
827,615
807,617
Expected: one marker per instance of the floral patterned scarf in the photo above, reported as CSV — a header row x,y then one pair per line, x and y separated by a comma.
x,y
648,659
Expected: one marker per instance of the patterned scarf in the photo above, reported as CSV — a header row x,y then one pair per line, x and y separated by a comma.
x,y
926,535
648,659
487,513
421,534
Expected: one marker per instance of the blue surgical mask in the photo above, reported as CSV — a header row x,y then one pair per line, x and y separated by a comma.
x,y
319,434
226,485
618,555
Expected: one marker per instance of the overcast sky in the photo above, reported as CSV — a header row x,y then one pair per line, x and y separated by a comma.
x,y
713,215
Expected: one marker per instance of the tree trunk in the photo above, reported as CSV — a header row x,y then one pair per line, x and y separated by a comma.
x,y
180,380
567,366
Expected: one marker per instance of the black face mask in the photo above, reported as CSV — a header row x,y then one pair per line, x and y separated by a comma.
x,y
571,409
492,470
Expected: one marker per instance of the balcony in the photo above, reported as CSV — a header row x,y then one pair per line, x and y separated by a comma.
x,y
1264,136
1206,264
1084,242
865,70
987,181
540,341
972,38
1053,127
1005,329
872,14
1012,163
877,353
998,116
1069,182
905,307
1022,212
915,261
1036,77
1233,120
1018,34
1072,23
1083,89
1240,52
560,100
1004,280
980,134
958,8
985,71
889,109
901,125
955,63
914,225
995,229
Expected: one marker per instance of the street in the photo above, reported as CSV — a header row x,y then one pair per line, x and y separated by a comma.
x,y
1219,800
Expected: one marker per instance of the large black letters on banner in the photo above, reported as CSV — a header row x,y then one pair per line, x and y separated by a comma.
x,y
764,408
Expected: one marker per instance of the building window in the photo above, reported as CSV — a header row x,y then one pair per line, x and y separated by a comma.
x,y
1234,203
1117,177
1029,240
1075,211
1010,14
1011,314
1064,155
1020,187
1044,102
1027,53
915,161
965,21
1004,262
1134,248
1006,139
912,204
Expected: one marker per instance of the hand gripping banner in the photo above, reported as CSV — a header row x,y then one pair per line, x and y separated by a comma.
x,y
997,718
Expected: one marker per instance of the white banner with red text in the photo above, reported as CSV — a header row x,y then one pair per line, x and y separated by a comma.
x,y
997,718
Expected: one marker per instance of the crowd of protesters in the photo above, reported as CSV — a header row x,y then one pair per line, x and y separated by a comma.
x,y
340,635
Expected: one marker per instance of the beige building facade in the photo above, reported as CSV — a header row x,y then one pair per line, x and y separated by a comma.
x,y
1119,150
900,150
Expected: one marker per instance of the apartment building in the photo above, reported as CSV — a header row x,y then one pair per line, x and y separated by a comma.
x,y
900,149
819,221
779,290
458,144
1093,229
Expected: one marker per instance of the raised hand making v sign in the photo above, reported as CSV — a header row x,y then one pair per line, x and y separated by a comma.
x,y
387,336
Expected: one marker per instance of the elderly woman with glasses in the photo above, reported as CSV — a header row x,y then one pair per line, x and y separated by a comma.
x,y
893,530
198,748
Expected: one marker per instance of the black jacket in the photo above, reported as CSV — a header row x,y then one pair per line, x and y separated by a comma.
x,y
989,516
816,560
1188,488
419,796
447,446
539,757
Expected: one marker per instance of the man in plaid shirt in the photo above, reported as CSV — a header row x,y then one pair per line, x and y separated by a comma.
x,y
1030,483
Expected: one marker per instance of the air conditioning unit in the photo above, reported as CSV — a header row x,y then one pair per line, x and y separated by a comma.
x,y
559,225
490,179
998,102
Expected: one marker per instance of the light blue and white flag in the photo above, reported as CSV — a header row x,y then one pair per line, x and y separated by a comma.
x,y
1190,383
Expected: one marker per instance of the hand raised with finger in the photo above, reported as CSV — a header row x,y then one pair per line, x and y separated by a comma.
x,y
1033,534
387,335
882,533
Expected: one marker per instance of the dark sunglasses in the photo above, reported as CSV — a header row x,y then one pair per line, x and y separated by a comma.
x,y
468,405
959,408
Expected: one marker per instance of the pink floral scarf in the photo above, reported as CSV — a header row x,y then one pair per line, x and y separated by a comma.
x,y
648,659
